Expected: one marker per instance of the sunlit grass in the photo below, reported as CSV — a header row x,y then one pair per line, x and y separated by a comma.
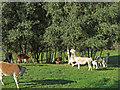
x,y
66,76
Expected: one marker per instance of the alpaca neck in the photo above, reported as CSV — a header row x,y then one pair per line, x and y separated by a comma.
x,y
73,55
29,55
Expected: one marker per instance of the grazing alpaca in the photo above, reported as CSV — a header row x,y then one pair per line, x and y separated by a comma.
x,y
81,60
104,63
8,69
8,57
57,59
23,56
95,64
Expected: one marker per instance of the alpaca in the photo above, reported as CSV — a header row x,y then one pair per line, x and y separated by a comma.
x,y
8,69
57,59
102,61
95,64
71,60
23,56
8,57
81,60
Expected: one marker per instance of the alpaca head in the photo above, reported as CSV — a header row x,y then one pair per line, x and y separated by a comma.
x,y
72,51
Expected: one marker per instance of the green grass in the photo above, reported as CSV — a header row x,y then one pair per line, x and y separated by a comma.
x,y
66,76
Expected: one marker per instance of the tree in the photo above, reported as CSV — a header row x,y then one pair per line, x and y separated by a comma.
x,y
23,26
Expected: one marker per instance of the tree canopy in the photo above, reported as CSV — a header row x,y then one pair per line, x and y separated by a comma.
x,y
37,26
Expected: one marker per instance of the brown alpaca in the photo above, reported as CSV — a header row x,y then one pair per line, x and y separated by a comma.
x,y
23,56
8,69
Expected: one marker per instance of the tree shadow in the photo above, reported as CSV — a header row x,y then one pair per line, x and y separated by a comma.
x,y
49,82
102,69
34,65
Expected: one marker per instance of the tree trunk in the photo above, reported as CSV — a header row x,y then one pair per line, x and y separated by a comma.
x,y
55,52
68,53
88,52
49,54
61,56
42,57
95,53
37,57
91,52
85,53
46,56
64,57
101,52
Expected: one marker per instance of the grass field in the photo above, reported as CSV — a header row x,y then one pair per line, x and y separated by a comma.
x,y
66,76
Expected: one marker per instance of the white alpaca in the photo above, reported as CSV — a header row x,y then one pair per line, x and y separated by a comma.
x,y
71,60
95,64
104,63
80,60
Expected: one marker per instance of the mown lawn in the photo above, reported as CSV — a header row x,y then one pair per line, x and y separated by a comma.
x,y
66,76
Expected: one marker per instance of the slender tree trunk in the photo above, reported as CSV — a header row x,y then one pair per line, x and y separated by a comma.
x,y
88,52
55,51
33,57
85,52
95,53
25,49
37,57
101,52
52,55
61,56
42,57
91,52
46,56
64,57
49,54
68,53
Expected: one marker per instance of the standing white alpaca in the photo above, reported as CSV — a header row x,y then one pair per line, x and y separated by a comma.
x,y
95,64
80,60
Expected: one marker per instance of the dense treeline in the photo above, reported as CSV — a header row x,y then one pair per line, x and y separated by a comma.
x,y
42,27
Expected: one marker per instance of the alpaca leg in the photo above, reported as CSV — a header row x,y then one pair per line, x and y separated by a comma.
x,y
89,67
106,65
1,79
78,66
72,65
16,81
96,66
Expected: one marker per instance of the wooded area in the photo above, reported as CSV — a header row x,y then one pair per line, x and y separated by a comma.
x,y
51,26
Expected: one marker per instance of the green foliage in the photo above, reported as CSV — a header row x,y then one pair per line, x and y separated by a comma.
x,y
37,26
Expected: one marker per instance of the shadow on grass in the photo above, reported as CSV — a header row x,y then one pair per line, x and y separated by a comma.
x,y
102,69
116,84
103,84
49,82
34,65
